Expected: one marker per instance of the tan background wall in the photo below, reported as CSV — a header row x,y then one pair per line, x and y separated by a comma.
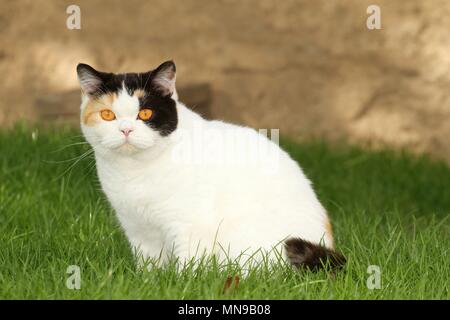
x,y
310,68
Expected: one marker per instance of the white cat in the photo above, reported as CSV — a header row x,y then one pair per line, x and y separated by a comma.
x,y
185,186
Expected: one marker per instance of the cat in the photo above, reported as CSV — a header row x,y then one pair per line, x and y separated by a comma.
x,y
180,186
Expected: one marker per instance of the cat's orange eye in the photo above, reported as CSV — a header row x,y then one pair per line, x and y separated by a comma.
x,y
107,115
145,114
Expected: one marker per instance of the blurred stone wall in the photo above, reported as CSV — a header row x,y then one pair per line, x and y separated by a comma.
x,y
310,68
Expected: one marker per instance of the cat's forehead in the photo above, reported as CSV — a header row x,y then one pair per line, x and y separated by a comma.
x,y
131,83
126,101
127,92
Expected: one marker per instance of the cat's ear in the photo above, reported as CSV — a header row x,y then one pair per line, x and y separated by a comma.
x,y
91,80
163,79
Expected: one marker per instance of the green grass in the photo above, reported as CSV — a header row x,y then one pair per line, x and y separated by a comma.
x,y
388,209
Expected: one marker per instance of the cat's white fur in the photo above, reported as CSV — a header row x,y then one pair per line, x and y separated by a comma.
x,y
171,205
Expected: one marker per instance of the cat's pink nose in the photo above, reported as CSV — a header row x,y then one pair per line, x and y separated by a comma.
x,y
126,132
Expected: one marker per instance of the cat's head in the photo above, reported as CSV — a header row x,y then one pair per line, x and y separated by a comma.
x,y
127,113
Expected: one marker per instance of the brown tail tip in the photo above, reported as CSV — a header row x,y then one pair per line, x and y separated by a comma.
x,y
304,254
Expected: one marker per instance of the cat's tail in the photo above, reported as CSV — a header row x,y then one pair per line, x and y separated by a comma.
x,y
305,254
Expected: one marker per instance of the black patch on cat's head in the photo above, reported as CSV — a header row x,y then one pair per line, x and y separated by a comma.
x,y
157,87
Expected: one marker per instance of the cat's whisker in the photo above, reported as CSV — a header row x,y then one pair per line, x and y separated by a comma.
x,y
78,159
68,160
148,78
71,145
103,104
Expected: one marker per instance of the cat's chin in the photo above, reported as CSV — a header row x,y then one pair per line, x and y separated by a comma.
x,y
129,148
125,148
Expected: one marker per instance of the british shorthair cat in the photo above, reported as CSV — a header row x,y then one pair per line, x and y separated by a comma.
x,y
184,186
